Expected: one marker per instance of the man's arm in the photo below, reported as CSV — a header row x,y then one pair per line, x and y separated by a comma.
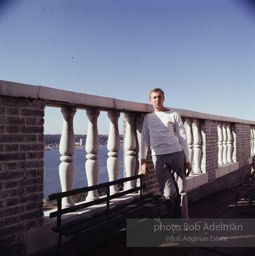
x,y
144,167
181,134
188,167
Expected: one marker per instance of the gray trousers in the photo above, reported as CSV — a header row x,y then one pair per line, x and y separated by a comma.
x,y
170,170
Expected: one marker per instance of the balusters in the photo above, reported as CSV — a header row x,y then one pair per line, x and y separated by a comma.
x,y
252,141
130,149
224,154
197,148
234,147
226,148
194,139
220,144
253,131
66,150
113,145
229,144
92,147
188,128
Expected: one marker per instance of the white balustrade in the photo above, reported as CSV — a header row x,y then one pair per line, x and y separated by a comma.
x,y
226,144
197,147
252,141
230,146
188,128
92,147
194,139
113,145
234,147
130,156
220,144
253,131
224,154
66,150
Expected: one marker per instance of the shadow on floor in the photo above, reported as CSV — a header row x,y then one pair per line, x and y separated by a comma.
x,y
220,205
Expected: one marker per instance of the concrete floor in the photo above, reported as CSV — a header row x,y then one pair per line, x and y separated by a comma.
x,y
220,205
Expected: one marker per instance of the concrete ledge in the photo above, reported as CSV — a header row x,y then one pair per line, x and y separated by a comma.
x,y
224,170
57,98
18,90
196,180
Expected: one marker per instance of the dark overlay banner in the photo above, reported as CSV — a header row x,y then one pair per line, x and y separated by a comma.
x,y
190,233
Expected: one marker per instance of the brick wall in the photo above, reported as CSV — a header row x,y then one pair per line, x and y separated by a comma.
x,y
211,148
243,144
21,171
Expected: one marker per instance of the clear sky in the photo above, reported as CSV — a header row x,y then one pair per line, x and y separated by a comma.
x,y
200,52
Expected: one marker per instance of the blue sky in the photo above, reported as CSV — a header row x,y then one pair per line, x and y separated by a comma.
x,y
200,52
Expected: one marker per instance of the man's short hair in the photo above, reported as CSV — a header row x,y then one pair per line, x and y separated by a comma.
x,y
157,90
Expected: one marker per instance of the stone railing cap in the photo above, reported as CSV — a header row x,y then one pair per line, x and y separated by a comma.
x,y
57,98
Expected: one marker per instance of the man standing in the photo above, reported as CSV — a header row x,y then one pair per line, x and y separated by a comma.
x,y
164,133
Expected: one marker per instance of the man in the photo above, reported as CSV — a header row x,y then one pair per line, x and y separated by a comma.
x,y
164,133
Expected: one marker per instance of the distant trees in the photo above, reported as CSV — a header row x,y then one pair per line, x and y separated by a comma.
x,y
50,139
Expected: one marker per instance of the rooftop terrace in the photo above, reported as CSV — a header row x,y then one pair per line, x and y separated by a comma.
x,y
221,150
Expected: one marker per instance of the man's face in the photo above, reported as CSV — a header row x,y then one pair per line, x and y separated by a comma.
x,y
157,101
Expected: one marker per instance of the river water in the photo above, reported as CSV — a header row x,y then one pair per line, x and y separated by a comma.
x,y
51,164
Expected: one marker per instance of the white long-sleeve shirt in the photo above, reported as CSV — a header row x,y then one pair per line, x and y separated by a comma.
x,y
164,132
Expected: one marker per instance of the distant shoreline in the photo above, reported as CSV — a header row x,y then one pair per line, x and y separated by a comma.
x,y
52,140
